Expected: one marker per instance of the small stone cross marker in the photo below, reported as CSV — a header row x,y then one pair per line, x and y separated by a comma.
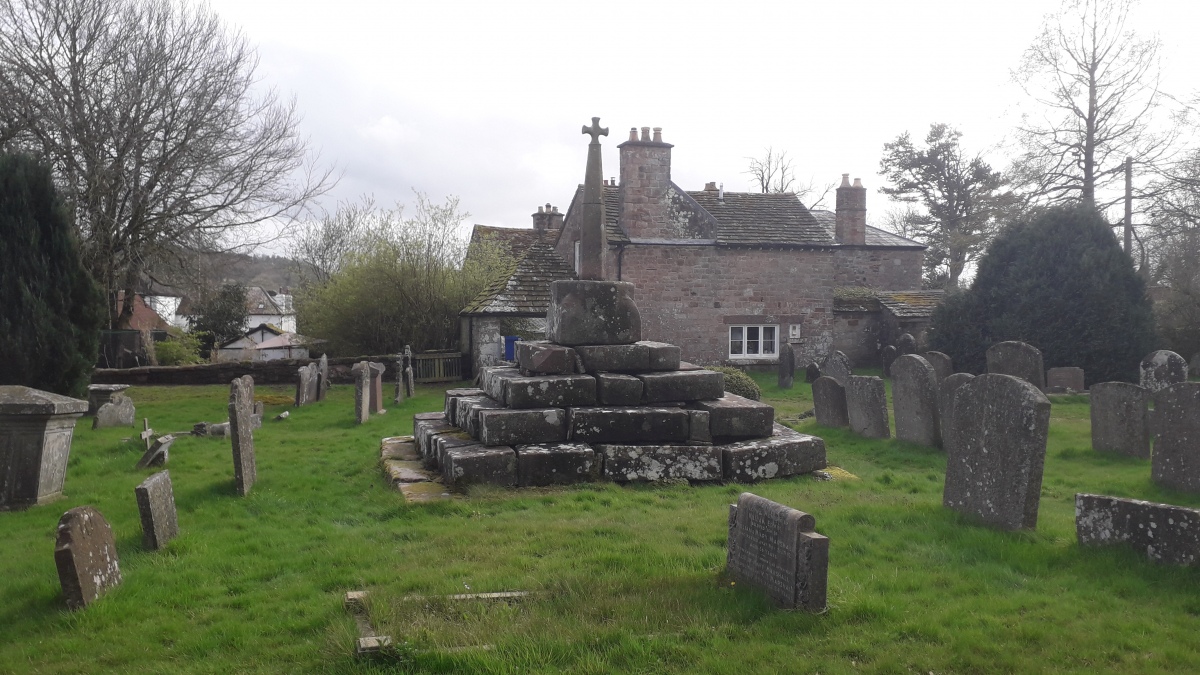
x,y
147,433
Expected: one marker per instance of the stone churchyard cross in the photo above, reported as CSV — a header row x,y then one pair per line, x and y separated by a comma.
x,y
593,243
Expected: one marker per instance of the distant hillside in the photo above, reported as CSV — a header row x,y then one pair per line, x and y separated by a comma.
x,y
270,272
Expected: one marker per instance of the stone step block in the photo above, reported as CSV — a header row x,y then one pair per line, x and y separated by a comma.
x,y
699,427
733,416
402,471
616,389
550,391
628,425
785,453
522,426
663,356
442,443
614,358
399,447
476,464
544,358
494,378
592,313
556,464
467,416
655,463
694,385
425,430
452,396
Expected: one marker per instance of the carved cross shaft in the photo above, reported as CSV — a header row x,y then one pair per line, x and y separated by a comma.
x,y
596,131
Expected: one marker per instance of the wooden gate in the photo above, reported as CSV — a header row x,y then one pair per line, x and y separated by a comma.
x,y
437,367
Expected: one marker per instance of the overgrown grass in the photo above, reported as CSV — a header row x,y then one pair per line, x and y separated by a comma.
x,y
624,579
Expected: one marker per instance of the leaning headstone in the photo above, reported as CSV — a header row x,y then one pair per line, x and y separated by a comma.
x,y
1165,533
1120,419
946,392
86,556
942,364
888,356
158,454
787,366
304,385
811,372
241,403
866,407
256,417
774,548
1019,360
376,401
1175,462
362,392
118,412
1064,380
906,344
36,428
837,366
156,505
829,403
322,377
997,450
1161,369
915,401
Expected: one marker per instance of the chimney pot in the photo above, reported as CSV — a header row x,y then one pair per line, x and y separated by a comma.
x,y
555,210
710,187
721,194
540,210
633,133
646,134
858,182
845,180
658,134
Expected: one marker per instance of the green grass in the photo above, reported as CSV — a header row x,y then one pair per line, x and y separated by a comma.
x,y
624,579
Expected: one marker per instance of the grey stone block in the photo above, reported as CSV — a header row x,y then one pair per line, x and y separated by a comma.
x,y
550,391
544,358
592,313
616,389
699,427
440,444
733,416
693,385
36,428
467,417
556,464
452,395
663,356
479,465
614,358
494,381
654,463
628,425
784,453
528,426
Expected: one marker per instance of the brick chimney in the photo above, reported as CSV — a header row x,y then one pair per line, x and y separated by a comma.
x,y
547,218
645,177
851,212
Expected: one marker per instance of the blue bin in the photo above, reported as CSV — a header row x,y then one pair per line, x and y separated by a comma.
x,y
510,348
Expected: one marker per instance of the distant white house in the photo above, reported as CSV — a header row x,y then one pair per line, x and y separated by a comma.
x,y
262,307
264,343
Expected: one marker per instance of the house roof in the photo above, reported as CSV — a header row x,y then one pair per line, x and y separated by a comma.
x,y
513,240
283,340
874,235
910,304
525,289
260,301
266,327
761,218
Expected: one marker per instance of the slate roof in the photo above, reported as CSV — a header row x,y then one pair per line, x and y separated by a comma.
x,y
758,218
910,304
875,236
526,288
513,239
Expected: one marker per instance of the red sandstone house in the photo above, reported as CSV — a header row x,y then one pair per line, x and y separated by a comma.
x,y
727,276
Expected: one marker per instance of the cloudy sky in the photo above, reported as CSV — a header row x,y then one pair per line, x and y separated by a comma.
x,y
485,100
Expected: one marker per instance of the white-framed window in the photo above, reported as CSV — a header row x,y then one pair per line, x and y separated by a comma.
x,y
753,342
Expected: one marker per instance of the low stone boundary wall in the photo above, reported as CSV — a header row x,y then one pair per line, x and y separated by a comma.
x,y
282,371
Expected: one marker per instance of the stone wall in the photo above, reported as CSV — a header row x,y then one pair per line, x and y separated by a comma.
x,y
486,336
282,371
856,334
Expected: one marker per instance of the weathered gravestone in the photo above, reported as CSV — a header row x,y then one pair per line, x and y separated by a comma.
x,y
362,392
915,401
1161,369
1165,533
241,403
400,388
946,392
86,556
117,412
996,452
837,366
829,403
1121,419
866,407
376,387
305,384
1064,379
158,453
1019,360
787,365
888,355
942,364
156,506
774,548
811,372
99,394
1194,366
322,377
36,428
1175,463
906,344
410,386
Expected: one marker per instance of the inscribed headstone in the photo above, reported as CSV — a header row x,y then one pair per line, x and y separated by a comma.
x,y
1120,414
997,450
775,548
915,401
837,366
1161,369
241,403
1063,379
86,556
304,376
829,403
118,412
787,366
376,399
942,364
1019,360
362,391
156,505
1175,462
866,407
946,392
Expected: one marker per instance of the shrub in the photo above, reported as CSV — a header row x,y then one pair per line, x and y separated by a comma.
x,y
178,350
51,311
737,382
1059,281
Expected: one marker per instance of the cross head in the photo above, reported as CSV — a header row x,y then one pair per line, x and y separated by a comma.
x,y
595,130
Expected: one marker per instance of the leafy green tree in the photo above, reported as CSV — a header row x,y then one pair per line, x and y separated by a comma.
x,y
1058,280
51,310
955,199
220,317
